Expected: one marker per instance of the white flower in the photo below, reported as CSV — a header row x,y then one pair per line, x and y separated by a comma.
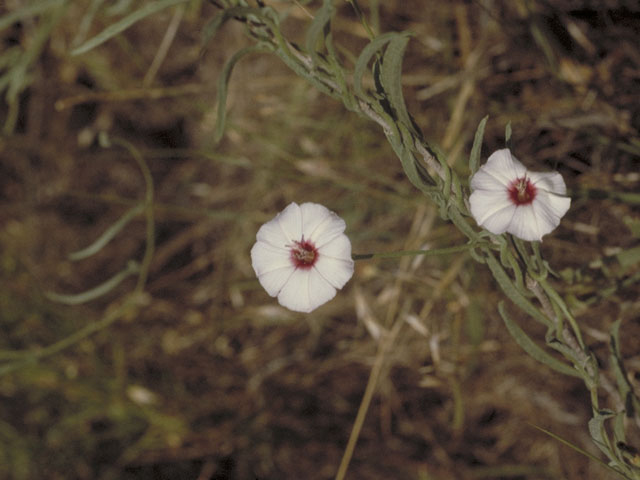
x,y
508,198
302,256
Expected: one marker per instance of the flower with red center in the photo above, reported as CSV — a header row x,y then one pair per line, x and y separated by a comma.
x,y
507,198
302,256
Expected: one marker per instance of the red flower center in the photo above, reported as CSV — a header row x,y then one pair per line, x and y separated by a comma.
x,y
522,191
304,254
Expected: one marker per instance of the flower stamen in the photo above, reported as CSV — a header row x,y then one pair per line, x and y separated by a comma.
x,y
303,254
522,191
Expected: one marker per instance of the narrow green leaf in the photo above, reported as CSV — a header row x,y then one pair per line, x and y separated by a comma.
x,y
399,140
598,432
507,135
474,157
216,23
213,25
512,292
558,302
318,28
361,17
532,348
118,7
412,253
131,269
108,234
20,74
456,190
365,57
618,429
223,85
294,64
391,77
26,11
632,403
461,222
121,25
512,263
576,448
339,74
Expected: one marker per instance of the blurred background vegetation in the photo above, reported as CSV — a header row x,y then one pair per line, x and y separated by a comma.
x,y
201,375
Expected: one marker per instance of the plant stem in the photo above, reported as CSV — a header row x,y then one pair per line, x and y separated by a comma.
x,y
404,253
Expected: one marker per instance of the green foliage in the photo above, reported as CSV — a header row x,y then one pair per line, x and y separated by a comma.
x,y
223,85
507,135
319,28
132,268
374,47
25,11
125,23
531,347
16,62
513,293
630,398
108,235
391,80
474,156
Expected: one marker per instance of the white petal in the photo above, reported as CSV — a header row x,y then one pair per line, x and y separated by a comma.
x,y
290,221
548,181
272,233
335,271
320,290
501,220
492,209
503,166
548,209
320,225
283,229
313,214
554,205
339,247
527,225
334,261
483,180
305,291
532,222
265,258
275,281
273,266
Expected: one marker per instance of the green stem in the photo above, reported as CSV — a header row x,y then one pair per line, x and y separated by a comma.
x,y
404,253
148,209
31,357
361,17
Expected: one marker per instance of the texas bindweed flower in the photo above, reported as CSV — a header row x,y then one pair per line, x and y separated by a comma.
x,y
506,197
302,256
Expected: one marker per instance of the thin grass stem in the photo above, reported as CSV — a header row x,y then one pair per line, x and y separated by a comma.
x,y
407,253
366,399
